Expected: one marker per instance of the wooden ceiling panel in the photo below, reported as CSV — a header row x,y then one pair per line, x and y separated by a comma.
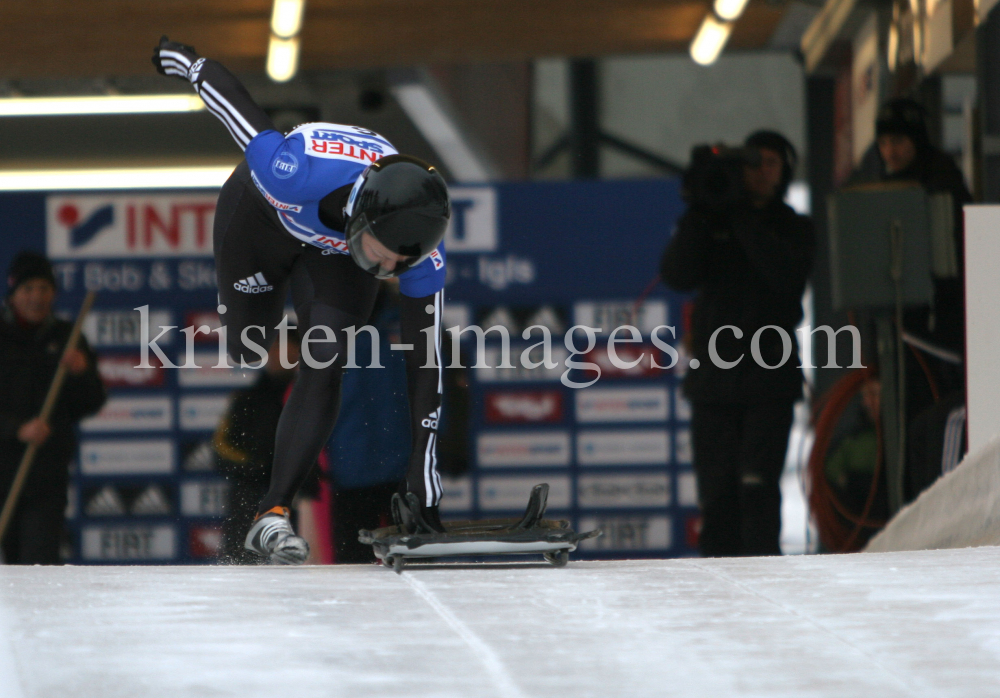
x,y
430,31
98,38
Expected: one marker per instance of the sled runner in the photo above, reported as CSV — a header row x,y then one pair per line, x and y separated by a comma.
x,y
412,538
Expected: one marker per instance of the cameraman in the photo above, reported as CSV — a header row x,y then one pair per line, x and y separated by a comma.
x,y
748,255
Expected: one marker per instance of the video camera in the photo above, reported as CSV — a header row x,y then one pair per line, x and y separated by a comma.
x,y
714,179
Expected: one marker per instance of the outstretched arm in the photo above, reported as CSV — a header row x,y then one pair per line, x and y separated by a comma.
x,y
222,93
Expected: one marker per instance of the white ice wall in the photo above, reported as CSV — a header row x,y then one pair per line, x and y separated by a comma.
x,y
982,313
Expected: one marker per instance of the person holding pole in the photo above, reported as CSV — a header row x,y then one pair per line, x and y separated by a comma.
x,y
32,348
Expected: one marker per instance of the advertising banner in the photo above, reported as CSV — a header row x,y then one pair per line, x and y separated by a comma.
x,y
510,493
540,448
623,491
536,258
125,544
629,533
623,447
622,404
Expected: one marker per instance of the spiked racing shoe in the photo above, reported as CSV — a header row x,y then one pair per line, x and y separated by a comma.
x,y
414,537
271,536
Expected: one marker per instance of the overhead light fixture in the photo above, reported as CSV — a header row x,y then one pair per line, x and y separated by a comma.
x,y
286,18
110,104
824,30
282,58
710,39
729,10
283,49
209,177
892,47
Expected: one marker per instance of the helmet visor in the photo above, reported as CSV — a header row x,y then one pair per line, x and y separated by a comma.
x,y
374,257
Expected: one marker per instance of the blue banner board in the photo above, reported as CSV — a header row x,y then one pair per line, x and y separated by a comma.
x,y
616,454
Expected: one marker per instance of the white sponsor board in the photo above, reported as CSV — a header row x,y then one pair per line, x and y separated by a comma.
x,y
86,226
687,489
455,315
204,497
682,408
124,372
121,328
613,491
520,373
205,376
473,223
457,494
532,448
622,404
632,447
70,512
202,411
628,533
511,493
608,315
131,457
132,414
683,453
110,543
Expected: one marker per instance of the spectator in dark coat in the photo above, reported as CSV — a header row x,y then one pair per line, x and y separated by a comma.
x,y
31,344
907,155
749,264
935,387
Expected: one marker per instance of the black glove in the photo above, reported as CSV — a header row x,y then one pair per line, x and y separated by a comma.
x,y
179,60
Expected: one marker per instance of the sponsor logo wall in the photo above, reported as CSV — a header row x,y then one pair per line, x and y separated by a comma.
x,y
616,454
524,407
141,494
520,255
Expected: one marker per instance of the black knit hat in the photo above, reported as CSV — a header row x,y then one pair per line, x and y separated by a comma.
x,y
772,140
29,265
905,117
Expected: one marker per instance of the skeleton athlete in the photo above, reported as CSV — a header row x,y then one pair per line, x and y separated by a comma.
x,y
325,211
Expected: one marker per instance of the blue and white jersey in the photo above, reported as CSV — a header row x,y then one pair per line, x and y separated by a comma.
x,y
294,173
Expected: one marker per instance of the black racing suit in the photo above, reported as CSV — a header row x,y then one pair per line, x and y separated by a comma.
x,y
258,261
749,268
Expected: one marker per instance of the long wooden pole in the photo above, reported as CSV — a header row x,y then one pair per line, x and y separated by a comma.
x,y
50,402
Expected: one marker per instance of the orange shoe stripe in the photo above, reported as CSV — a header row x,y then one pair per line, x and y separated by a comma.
x,y
280,511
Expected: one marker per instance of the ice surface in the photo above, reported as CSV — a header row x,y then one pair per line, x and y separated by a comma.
x,y
895,624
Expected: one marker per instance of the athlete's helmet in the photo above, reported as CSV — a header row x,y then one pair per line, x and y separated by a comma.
x,y
402,202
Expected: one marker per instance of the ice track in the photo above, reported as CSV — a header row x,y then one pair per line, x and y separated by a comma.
x,y
894,624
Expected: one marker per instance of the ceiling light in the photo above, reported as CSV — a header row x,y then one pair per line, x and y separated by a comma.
x,y
112,104
729,10
282,58
711,37
286,18
210,177
892,47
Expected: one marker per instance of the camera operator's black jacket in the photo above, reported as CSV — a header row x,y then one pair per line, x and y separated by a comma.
x,y
750,268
